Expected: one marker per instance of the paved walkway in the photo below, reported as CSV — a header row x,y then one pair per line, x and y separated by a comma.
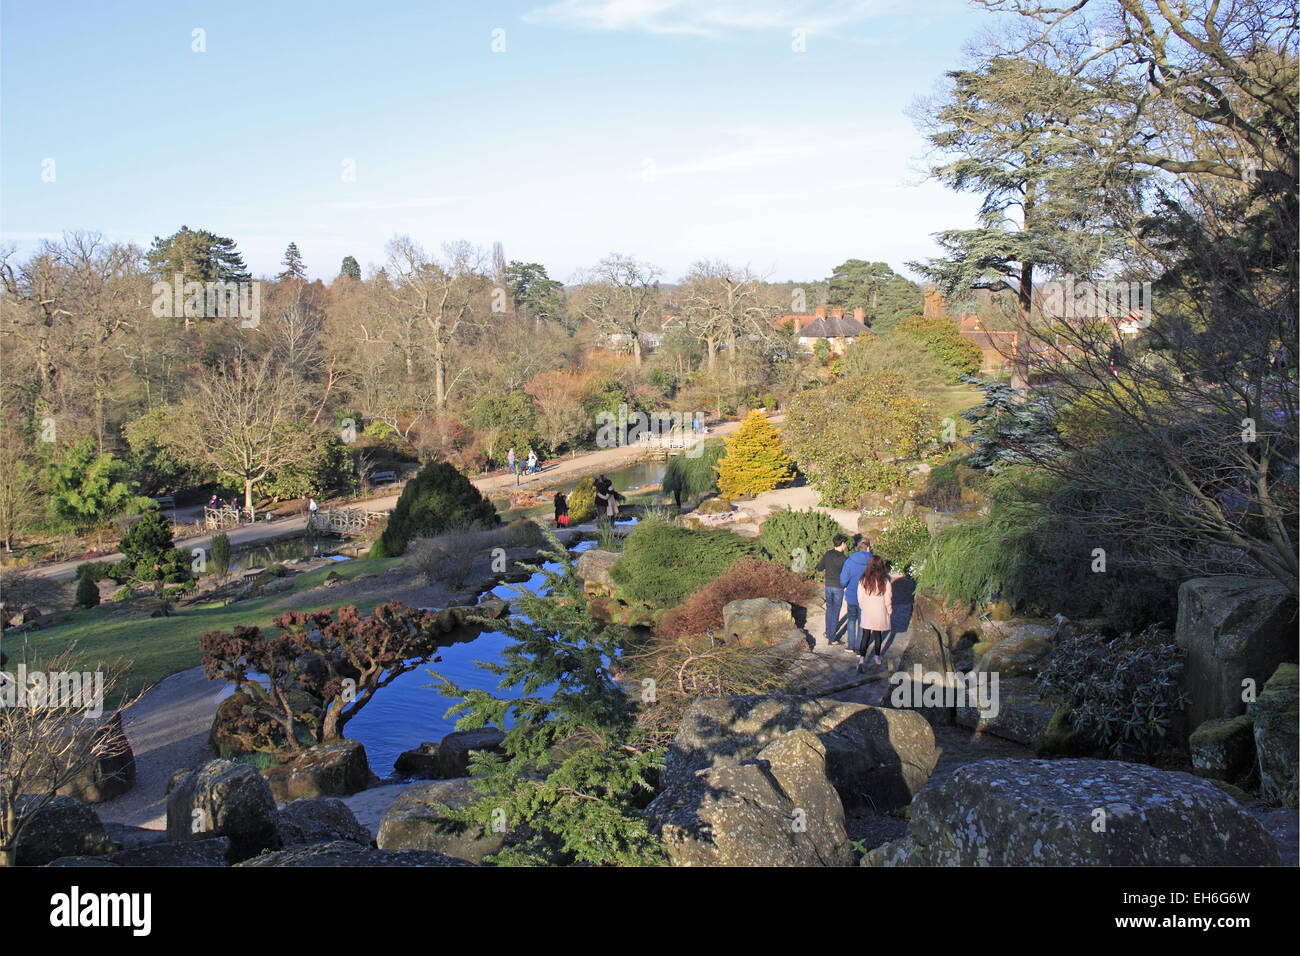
x,y
831,670
553,473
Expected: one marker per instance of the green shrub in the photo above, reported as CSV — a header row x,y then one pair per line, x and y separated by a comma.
x,y
582,501
100,570
220,553
664,563
1121,693
87,592
849,438
437,498
149,552
798,538
686,477
946,343
1026,554
123,593
904,544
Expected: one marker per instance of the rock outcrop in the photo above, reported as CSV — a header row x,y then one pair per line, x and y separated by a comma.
x,y
1274,714
319,820
347,853
412,823
1222,748
338,769
223,798
58,827
1070,812
1234,629
778,809
876,757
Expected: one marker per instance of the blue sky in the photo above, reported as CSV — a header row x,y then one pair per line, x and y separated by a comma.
x,y
672,131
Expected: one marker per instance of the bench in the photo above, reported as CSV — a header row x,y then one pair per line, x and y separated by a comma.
x,y
165,502
383,478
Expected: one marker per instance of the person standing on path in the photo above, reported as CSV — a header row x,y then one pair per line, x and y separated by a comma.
x,y
603,489
532,461
832,563
311,511
561,510
510,461
876,601
854,565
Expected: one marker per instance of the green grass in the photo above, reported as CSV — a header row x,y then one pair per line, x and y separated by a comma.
x,y
158,647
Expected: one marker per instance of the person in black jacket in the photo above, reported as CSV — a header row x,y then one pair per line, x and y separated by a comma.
x,y
561,507
832,563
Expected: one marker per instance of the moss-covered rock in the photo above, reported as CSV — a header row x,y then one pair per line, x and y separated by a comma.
x,y
1223,748
1060,739
1276,739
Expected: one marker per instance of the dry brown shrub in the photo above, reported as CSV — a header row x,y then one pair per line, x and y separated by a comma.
x,y
747,578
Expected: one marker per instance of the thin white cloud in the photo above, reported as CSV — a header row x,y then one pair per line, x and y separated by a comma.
x,y
429,202
709,17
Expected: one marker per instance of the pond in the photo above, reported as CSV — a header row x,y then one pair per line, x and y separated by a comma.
x,y
409,711
284,549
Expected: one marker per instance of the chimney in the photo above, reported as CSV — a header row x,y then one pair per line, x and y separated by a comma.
x,y
860,314
820,311
837,312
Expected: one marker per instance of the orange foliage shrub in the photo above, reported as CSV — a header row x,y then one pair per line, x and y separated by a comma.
x,y
747,578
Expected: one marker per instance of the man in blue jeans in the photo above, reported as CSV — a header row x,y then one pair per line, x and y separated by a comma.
x,y
832,563
854,565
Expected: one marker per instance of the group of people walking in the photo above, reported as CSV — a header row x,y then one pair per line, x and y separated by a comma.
x,y
859,581
607,500
530,463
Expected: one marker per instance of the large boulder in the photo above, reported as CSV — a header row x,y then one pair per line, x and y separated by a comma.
x,y
875,757
1234,629
1222,748
1019,712
594,569
319,820
212,852
756,622
1018,654
936,632
224,798
1274,714
337,769
1012,812
452,757
412,822
420,762
59,826
347,853
778,809
102,762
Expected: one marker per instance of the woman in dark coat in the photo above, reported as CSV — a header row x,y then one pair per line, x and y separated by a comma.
x,y
561,508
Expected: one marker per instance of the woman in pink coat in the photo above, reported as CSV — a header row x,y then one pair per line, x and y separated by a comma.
x,y
877,606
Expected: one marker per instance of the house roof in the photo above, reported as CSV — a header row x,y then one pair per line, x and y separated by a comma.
x,y
831,328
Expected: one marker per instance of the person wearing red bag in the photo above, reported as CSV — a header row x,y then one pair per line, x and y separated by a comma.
x,y
561,511
877,607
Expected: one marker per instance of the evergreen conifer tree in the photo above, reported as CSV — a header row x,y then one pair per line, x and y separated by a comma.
x,y
755,461
293,265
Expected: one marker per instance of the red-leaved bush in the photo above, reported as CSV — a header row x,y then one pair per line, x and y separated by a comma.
x,y
746,578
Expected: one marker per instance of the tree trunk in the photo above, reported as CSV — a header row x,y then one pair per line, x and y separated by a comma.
x,y
1024,301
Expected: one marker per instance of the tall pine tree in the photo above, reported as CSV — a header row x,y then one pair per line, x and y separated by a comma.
x,y
293,265
350,268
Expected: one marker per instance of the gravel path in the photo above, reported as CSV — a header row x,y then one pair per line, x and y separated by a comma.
x,y
168,729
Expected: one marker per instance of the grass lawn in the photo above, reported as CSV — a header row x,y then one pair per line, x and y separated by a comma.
x,y
950,400
159,646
